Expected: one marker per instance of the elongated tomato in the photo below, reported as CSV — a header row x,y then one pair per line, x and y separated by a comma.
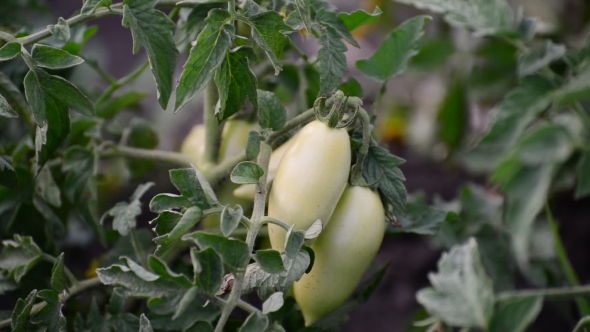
x,y
343,252
310,179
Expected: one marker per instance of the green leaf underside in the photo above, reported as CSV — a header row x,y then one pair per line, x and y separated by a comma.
x,y
205,57
53,58
236,82
152,30
396,51
266,32
461,293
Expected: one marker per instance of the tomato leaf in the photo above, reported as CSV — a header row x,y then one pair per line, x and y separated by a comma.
x,y
125,214
236,82
351,88
304,13
254,323
208,269
58,280
382,166
53,58
152,30
91,5
46,187
270,260
515,314
332,60
50,316
532,61
267,31
489,18
18,103
234,253
246,172
419,219
271,111
8,177
273,303
329,18
253,144
575,89
194,190
359,17
396,51
294,242
10,51
230,219
18,256
461,292
22,309
144,324
205,57
61,30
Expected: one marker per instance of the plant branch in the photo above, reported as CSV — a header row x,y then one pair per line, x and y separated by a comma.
x,y
94,65
137,248
6,36
255,223
270,220
581,323
212,127
77,288
550,293
67,271
156,155
583,305
121,82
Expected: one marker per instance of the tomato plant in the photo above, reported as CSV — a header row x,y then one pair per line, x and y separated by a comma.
x,y
283,186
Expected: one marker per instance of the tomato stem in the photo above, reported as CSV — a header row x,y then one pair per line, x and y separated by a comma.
x,y
212,128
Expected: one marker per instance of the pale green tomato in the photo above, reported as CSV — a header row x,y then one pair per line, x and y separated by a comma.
x,y
310,179
247,191
233,141
343,252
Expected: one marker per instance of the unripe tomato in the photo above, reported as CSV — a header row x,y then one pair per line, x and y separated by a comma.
x,y
343,252
310,179
233,140
247,191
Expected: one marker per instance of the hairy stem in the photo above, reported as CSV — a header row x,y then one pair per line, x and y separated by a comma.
x,y
584,322
77,288
156,155
548,293
6,36
121,82
357,176
69,274
255,223
572,277
212,128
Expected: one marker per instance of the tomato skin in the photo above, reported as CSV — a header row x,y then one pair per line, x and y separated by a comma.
x,y
310,179
343,252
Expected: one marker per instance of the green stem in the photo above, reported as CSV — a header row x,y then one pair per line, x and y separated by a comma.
x,y
573,279
121,82
212,128
549,293
69,274
357,175
94,65
156,155
271,220
6,36
378,98
77,288
582,323
255,223
137,248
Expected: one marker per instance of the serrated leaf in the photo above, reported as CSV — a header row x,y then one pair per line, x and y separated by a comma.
x,y
266,283
190,218
230,219
253,144
254,323
359,17
18,256
209,272
271,111
50,316
273,303
236,82
91,5
61,30
194,189
46,187
125,214
270,260
294,242
583,186
10,51
5,109
58,280
22,309
152,30
380,165
8,177
205,57
332,60
144,324
515,314
267,32
234,253
484,17
53,58
17,100
393,55
246,172
531,62
304,13
461,292
330,19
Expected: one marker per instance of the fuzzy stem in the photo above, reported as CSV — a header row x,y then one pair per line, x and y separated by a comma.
x,y
212,128
548,293
357,176
6,36
255,223
121,82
